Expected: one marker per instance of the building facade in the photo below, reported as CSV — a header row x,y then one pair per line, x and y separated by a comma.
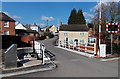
x,y
73,34
51,28
34,27
7,24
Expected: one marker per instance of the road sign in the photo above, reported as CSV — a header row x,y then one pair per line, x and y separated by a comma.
x,y
112,27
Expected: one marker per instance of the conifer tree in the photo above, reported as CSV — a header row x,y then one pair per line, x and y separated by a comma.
x,y
72,18
80,18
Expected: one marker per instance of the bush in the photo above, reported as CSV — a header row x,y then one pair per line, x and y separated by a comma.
x,y
116,48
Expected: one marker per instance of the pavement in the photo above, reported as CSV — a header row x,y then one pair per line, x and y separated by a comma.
x,y
89,55
78,52
32,65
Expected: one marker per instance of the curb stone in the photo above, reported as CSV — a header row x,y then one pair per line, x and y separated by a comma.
x,y
77,52
110,59
27,70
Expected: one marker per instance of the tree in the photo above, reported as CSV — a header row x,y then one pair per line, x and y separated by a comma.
x,y
76,17
90,25
72,18
109,13
80,18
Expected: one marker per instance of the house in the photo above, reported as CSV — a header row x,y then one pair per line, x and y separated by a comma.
x,y
20,29
20,26
7,24
73,34
91,36
35,27
51,28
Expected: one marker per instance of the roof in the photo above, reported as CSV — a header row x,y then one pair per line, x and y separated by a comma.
x,y
20,26
47,27
27,26
73,27
4,17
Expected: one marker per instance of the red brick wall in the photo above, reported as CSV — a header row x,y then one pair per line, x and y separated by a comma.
x,y
26,39
11,28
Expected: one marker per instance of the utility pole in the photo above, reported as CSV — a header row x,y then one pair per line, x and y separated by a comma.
x,y
47,22
100,22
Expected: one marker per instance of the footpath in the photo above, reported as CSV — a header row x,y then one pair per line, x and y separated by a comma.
x,y
32,65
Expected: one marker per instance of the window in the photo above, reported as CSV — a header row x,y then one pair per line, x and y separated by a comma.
x,y
81,41
64,41
6,24
6,32
65,34
81,34
71,41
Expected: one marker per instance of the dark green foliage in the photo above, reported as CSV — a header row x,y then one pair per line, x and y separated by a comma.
x,y
76,17
90,25
72,18
80,17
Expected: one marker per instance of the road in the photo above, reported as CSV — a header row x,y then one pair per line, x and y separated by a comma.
x,y
74,65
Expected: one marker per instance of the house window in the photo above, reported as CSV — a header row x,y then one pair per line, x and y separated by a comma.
x,y
6,24
81,41
71,41
81,34
6,32
64,41
65,34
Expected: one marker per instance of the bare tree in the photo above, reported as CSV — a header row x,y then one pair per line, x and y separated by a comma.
x,y
109,13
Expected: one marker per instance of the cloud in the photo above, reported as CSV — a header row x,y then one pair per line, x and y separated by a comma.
x,y
88,15
41,24
17,17
88,20
45,18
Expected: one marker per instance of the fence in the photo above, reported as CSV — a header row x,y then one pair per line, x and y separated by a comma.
x,y
42,53
88,48
8,40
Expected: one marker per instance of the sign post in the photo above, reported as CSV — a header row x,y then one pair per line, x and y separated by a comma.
x,y
111,42
112,28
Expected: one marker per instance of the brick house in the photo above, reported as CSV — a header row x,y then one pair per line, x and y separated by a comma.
x,y
7,24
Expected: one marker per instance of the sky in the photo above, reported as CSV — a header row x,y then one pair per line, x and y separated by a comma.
x,y
39,12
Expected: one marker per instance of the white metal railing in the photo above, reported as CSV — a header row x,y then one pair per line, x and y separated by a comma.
x,y
88,48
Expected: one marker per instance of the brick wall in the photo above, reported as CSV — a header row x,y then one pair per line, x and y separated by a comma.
x,y
11,28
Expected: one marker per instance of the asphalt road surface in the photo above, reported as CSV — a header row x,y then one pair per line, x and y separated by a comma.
x,y
75,65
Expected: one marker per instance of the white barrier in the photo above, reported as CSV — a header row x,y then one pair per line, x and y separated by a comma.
x,y
88,48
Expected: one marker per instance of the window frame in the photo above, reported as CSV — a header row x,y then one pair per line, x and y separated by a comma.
x,y
6,24
6,32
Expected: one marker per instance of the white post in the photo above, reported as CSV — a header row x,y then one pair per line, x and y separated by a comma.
x,y
43,55
85,47
94,48
111,43
100,25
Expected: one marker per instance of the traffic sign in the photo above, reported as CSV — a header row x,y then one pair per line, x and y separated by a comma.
x,y
112,27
